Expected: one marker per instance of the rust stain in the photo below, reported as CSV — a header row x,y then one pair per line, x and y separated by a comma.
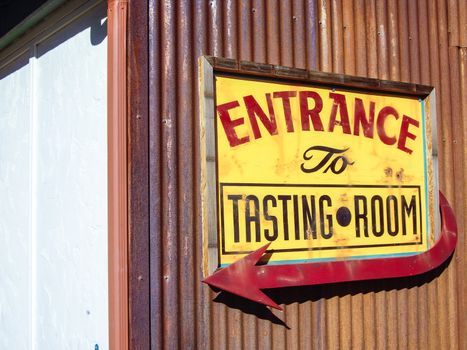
x,y
388,172
400,175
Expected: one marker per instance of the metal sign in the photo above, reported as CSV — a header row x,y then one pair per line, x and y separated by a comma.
x,y
321,171
245,279
313,168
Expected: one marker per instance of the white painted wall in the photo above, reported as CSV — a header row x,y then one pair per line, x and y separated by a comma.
x,y
53,189
15,209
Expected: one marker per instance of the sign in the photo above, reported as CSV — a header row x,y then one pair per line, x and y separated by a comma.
x,y
322,178
321,172
245,279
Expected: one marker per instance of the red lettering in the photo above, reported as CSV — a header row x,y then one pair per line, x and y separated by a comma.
x,y
404,134
341,104
383,114
229,124
285,96
360,119
313,113
254,109
363,122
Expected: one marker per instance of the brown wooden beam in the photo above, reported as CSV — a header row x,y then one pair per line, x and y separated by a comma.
x,y
117,175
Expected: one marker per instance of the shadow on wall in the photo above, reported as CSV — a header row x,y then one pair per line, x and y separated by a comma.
x,y
94,19
319,293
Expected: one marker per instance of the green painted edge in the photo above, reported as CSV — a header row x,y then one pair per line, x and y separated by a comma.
x,y
29,22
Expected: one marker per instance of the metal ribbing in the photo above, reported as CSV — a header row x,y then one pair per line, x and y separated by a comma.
x,y
414,41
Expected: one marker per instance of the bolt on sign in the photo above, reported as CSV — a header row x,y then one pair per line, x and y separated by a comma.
x,y
323,167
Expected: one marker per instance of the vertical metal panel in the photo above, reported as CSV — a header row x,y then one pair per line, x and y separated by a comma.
x,y
138,192
420,42
462,245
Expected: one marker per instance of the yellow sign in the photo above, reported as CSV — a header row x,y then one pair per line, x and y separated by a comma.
x,y
322,173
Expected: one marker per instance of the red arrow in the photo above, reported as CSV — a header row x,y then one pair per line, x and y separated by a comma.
x,y
245,279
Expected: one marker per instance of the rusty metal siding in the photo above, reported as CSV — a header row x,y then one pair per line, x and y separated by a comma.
x,y
413,41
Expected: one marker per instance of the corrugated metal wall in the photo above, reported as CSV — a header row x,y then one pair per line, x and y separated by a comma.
x,y
412,41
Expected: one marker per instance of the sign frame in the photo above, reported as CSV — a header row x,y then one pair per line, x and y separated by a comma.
x,y
210,67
